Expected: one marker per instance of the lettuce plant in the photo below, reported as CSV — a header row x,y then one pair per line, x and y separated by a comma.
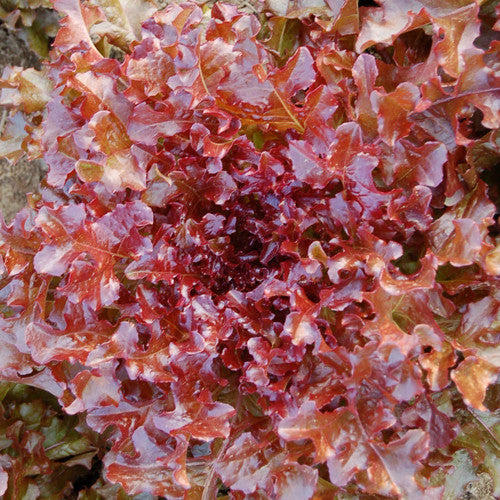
x,y
264,262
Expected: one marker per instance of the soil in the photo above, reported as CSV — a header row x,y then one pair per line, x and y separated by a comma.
x,y
479,490
24,177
